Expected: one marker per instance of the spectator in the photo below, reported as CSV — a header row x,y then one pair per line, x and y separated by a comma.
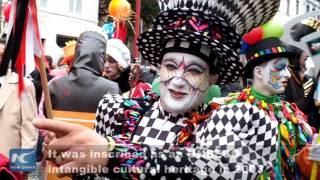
x,y
299,85
16,113
137,85
84,86
36,78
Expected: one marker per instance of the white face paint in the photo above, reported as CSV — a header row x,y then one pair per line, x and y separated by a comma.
x,y
184,82
275,76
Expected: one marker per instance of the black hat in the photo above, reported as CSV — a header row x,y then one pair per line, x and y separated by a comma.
x,y
304,28
197,27
263,51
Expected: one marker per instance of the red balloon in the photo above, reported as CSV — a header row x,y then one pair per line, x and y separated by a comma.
x,y
254,36
6,11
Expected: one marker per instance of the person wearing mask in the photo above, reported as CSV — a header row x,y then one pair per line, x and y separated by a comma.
x,y
268,69
137,85
193,48
116,67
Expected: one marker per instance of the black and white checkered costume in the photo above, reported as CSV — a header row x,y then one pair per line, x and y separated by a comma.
x,y
237,141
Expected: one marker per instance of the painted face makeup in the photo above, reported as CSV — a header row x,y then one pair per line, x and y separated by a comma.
x,y
111,70
276,75
184,82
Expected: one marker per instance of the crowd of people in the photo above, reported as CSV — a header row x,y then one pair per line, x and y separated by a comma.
x,y
207,114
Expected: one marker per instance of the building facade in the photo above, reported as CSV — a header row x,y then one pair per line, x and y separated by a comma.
x,y
64,20
292,8
60,21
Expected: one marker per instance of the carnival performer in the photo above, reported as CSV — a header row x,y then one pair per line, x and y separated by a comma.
x,y
267,67
194,49
117,65
137,85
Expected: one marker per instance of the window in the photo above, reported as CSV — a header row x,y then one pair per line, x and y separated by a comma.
x,y
75,6
43,3
297,6
308,8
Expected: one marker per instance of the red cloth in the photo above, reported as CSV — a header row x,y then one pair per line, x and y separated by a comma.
x,y
5,172
121,31
305,165
139,90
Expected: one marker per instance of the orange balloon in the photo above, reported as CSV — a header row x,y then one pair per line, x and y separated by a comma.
x,y
120,9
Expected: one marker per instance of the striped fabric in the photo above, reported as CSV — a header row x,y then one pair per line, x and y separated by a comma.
x,y
307,86
273,50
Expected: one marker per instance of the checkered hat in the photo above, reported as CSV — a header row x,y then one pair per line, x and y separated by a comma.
x,y
198,25
208,37
243,15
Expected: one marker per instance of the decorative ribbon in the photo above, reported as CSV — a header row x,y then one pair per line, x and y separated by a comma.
x,y
273,50
199,25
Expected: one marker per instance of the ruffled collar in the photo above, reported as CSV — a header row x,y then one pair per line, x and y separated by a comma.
x,y
260,96
200,109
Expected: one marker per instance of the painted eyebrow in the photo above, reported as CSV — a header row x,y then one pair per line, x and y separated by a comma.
x,y
280,60
170,60
197,65
280,65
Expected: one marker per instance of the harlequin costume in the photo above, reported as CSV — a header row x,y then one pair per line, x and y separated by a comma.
x,y
149,134
293,130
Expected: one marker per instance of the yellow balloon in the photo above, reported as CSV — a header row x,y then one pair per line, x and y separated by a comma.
x,y
120,9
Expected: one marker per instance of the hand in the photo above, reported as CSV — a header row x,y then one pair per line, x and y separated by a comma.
x,y
315,149
72,145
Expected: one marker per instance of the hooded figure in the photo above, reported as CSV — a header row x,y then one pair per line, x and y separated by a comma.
x,y
85,77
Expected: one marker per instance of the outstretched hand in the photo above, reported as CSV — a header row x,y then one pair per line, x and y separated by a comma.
x,y
72,145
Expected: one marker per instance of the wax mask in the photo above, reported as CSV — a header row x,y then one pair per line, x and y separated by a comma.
x,y
275,76
184,82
